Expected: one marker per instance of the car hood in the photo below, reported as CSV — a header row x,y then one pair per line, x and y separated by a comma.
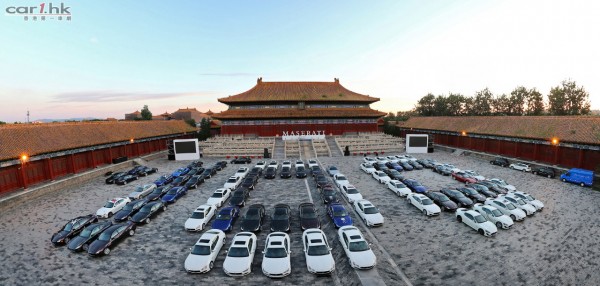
x,y
321,263
519,213
363,258
97,246
450,205
536,203
280,225
276,265
121,215
250,225
103,211
193,223
236,201
77,242
237,264
196,262
465,200
309,223
433,208
374,218
505,219
221,224
489,226
342,221
134,194
420,189
138,217
60,236
168,198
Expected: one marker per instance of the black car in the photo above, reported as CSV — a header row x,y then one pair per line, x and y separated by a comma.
x,y
72,228
87,235
209,172
315,170
135,170
458,198
145,171
426,163
195,171
257,171
220,165
442,201
472,194
308,216
253,219
493,187
442,170
394,174
321,181
280,220
380,166
194,182
123,180
110,238
271,173
238,197
544,171
241,160
112,178
148,211
181,180
499,161
196,163
415,165
129,209
483,190
286,173
406,166
158,193
329,195
301,172
250,181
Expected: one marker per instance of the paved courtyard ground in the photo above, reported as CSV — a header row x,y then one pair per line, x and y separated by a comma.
x,y
559,246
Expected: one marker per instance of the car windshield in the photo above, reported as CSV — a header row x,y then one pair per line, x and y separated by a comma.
x,y
529,198
224,216
232,180
300,169
238,252
104,236
68,227
178,180
280,214
480,219
276,252
358,246
157,191
328,192
352,191
128,207
308,213
238,194
340,212
252,215
521,202
201,250
86,233
332,168
443,198
317,250
496,213
500,182
341,178
510,206
217,195
426,202
198,215
458,195
109,205
470,191
172,192
371,210
400,185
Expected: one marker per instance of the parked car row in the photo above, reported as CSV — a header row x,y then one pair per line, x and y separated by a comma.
x,y
576,176
122,178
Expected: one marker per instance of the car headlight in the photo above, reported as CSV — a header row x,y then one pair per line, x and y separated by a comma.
x,y
353,264
310,268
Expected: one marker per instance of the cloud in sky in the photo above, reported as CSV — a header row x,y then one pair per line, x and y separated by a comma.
x,y
112,96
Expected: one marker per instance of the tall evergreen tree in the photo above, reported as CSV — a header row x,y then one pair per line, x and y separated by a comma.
x,y
146,114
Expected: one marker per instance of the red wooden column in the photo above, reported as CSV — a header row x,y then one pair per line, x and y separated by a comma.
x,y
49,172
535,152
516,149
556,151
580,159
93,159
22,175
71,164
110,155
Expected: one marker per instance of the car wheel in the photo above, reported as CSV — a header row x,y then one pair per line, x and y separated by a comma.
x,y
147,220
85,247
498,225
210,266
174,200
106,251
459,218
201,228
67,240
109,215
424,212
481,231
513,217
131,232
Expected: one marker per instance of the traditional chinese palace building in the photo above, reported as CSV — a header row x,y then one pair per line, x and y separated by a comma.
x,y
311,108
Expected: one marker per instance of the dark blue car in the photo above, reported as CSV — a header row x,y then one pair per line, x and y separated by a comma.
x,y
339,215
163,180
415,186
395,166
225,218
173,194
180,172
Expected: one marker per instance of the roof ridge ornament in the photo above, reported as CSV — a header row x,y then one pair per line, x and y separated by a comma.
x,y
259,80
336,80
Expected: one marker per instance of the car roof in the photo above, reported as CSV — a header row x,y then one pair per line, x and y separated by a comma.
x,y
352,232
281,206
207,237
314,235
202,207
242,237
471,212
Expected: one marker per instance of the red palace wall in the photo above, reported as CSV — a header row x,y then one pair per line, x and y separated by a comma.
x,y
273,130
37,171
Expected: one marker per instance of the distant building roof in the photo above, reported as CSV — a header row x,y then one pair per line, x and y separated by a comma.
x,y
135,112
187,113
209,113
34,139
576,129
298,91
298,113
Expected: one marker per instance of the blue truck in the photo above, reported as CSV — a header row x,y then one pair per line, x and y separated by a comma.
x,y
578,176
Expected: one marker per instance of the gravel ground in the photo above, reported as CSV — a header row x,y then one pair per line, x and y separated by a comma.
x,y
555,247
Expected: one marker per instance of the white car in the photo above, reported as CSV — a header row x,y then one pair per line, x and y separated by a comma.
x,y
369,160
381,160
233,182
503,184
111,207
475,175
452,168
286,163
424,204
261,165
520,203
368,213
204,253
299,163
539,206
381,177
312,162
392,159
218,197
494,215
476,221
142,191
520,167
276,256
273,163
507,208
340,180
317,252
351,193
367,168
398,188
241,172
200,217
240,254
356,247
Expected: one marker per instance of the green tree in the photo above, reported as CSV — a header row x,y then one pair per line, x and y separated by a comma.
x,y
534,103
191,122
146,114
455,104
204,129
440,106
568,99
502,105
516,101
426,105
2,122
483,102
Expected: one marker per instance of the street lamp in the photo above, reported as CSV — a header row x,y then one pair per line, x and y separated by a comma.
x,y
24,158
131,140
463,133
555,141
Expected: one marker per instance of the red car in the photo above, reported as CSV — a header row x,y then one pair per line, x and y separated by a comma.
x,y
463,177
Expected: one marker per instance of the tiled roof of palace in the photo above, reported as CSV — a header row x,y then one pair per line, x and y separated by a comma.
x,y
298,91
32,139
273,113
577,129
